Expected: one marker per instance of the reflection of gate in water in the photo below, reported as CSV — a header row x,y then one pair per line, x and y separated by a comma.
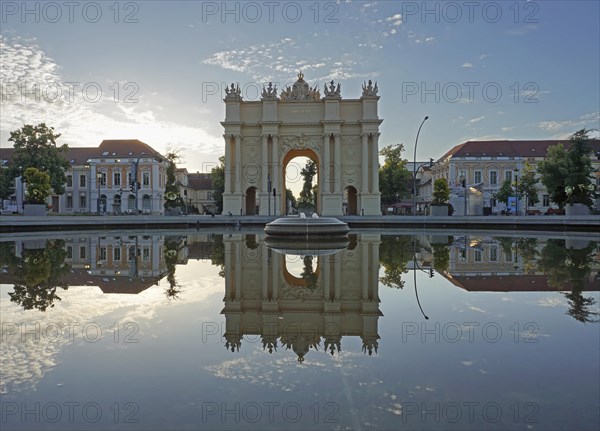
x,y
339,296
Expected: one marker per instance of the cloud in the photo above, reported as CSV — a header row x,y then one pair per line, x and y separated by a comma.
x,y
279,61
590,120
34,91
26,361
475,120
395,20
467,65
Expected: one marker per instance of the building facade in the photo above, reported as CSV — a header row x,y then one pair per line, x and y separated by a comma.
x,y
117,177
340,136
485,165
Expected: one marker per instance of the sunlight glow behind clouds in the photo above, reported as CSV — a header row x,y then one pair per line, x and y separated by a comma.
x,y
33,91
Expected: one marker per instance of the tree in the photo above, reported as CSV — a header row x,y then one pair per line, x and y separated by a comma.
x,y
37,275
578,186
441,192
441,257
173,197
218,183
38,186
527,186
35,147
505,192
393,175
7,184
289,196
567,174
307,198
394,254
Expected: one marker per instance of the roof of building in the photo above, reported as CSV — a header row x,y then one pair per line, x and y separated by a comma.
x,y
514,283
200,181
509,148
108,148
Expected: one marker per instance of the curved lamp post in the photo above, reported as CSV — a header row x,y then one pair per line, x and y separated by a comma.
x,y
414,202
415,266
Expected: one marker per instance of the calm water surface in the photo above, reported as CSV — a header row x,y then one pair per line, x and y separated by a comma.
x,y
186,330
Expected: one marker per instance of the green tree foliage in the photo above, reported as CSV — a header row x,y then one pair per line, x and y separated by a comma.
x,y
173,197
38,186
35,147
441,257
394,178
505,192
7,184
564,265
394,254
527,185
308,274
218,183
441,192
172,247
567,174
289,196
307,197
218,254
37,275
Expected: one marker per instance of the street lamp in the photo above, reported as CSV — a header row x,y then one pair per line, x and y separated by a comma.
x,y
517,191
415,266
463,181
135,180
414,203
98,180
22,188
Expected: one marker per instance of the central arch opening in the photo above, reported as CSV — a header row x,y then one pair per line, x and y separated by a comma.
x,y
295,163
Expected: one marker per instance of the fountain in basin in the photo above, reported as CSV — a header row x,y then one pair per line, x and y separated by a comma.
x,y
303,227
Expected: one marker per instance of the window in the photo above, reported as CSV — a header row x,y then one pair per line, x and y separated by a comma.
x,y
129,178
145,178
69,252
546,200
82,202
82,180
463,175
493,177
477,177
103,178
508,257
209,195
508,175
102,253
82,252
117,253
493,254
493,202
145,254
477,255
69,180
117,178
70,202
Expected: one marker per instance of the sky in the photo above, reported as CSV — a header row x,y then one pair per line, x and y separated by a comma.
x,y
156,71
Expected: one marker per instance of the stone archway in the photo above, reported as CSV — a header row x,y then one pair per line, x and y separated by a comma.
x,y
251,201
341,135
289,156
352,201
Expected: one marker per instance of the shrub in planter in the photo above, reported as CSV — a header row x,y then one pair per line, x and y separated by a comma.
x,y
441,196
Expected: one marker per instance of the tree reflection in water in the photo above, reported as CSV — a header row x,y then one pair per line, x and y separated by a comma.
x,y
37,274
172,247
571,265
309,276
394,253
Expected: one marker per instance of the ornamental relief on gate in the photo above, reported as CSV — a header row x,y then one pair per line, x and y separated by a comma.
x,y
301,142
